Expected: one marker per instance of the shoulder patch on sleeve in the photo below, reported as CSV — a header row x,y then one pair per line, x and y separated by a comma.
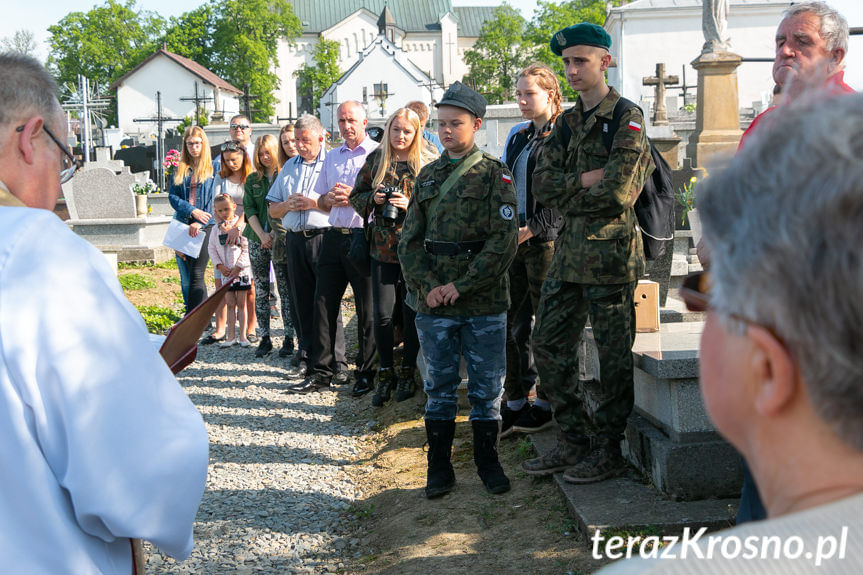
x,y
506,212
506,178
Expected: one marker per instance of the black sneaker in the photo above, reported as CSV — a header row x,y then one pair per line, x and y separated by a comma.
x,y
534,420
265,347
509,416
287,347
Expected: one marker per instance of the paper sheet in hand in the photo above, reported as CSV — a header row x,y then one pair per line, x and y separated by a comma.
x,y
177,238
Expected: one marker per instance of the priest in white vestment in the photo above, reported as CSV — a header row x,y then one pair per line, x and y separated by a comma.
x,y
98,442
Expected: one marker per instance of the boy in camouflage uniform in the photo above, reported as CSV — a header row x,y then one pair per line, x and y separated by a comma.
x,y
597,261
458,240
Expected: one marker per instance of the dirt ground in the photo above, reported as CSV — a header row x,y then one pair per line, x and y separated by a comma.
x,y
527,531
165,293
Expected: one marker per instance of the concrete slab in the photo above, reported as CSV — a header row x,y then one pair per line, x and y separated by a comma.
x,y
628,504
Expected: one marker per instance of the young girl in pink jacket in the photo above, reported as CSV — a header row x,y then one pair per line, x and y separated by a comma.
x,y
233,263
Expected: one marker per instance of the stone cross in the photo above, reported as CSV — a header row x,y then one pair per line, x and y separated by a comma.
x,y
660,114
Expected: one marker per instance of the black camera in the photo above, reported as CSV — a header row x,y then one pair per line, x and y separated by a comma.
x,y
390,213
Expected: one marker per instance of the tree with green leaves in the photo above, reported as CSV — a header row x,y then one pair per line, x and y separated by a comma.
x,y
192,34
313,81
104,43
497,56
21,42
549,17
245,46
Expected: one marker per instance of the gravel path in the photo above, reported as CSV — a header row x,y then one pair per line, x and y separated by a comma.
x,y
278,498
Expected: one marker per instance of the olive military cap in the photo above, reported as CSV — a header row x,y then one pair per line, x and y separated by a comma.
x,y
583,34
461,96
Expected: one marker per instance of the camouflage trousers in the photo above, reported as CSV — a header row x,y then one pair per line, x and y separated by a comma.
x,y
260,259
482,342
563,311
526,276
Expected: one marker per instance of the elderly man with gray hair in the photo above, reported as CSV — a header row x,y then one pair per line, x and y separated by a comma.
x,y
811,44
98,441
781,359
293,198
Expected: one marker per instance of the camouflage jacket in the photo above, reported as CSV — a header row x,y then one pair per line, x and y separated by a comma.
x,y
384,240
600,242
479,207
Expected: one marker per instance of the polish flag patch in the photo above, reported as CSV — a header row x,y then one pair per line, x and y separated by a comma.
x,y
507,179
634,126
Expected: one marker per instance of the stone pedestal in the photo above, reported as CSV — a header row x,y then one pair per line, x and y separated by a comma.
x,y
717,125
669,436
668,150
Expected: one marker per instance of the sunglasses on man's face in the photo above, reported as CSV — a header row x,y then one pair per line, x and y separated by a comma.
x,y
240,126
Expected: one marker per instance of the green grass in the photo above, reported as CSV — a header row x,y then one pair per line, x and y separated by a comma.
x,y
362,511
158,319
170,264
171,280
131,282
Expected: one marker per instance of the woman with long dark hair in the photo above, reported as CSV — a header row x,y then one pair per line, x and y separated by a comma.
x,y
191,196
382,190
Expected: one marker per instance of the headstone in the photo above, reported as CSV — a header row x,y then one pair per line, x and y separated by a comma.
x,y
99,193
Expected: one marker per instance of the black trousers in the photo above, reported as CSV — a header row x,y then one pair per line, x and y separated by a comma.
x,y
302,256
335,272
388,290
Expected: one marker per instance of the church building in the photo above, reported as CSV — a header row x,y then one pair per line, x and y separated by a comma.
x,y
430,38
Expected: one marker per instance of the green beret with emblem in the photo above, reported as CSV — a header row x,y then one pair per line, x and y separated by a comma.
x,y
583,34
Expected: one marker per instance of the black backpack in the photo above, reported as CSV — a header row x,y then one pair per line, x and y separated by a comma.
x,y
654,207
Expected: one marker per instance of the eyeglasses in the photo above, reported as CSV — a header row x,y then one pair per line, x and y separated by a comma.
x,y
240,126
70,164
695,293
232,146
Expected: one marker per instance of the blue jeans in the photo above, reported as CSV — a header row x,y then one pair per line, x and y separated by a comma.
x,y
482,342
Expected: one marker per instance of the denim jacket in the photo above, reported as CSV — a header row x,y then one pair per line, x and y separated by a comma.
x,y
179,199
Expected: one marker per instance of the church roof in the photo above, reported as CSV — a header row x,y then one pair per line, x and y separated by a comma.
x,y
409,15
471,19
386,19
654,4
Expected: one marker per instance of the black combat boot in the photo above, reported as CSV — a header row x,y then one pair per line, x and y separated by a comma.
x,y
406,386
386,382
485,442
440,478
